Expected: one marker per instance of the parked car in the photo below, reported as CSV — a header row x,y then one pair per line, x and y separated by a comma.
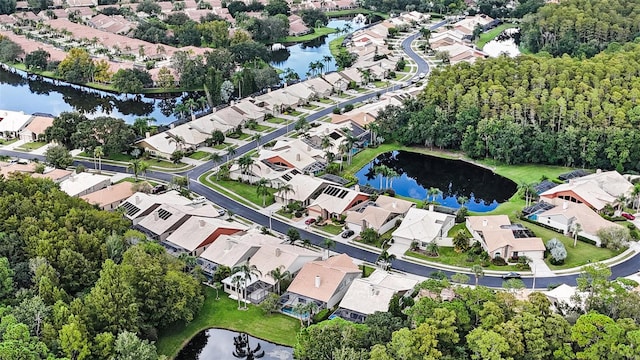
x,y
310,221
199,200
511,275
221,212
347,233
158,189
628,216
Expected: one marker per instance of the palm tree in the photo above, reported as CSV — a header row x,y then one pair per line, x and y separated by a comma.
x,y
528,190
343,148
98,152
433,192
320,66
462,200
478,272
245,271
215,158
262,189
143,167
237,282
366,75
231,152
300,309
180,109
306,243
179,140
349,140
636,195
325,142
257,138
309,309
385,259
202,102
313,66
134,165
328,244
432,248
327,59
622,201
284,190
191,104
575,229
278,276
391,174
245,162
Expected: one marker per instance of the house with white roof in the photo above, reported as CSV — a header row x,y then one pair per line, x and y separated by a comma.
x,y
139,205
323,282
261,170
231,116
365,296
596,190
319,86
301,90
424,226
110,197
289,258
197,233
277,101
161,145
84,183
233,250
12,122
294,154
338,82
167,218
564,295
302,188
250,110
500,238
55,175
380,215
335,200
460,52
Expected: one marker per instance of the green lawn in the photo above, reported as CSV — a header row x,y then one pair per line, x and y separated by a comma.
x,y
326,101
224,313
264,128
368,270
458,227
343,13
330,228
448,256
211,182
317,32
491,34
293,113
276,120
7,142
222,146
285,214
310,107
242,136
31,146
246,191
199,155
335,45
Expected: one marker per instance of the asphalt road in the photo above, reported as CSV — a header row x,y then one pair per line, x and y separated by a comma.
x,y
630,266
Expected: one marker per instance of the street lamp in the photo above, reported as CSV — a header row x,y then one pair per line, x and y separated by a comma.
x,y
270,216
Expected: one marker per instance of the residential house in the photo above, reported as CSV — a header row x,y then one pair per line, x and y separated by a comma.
x,y
323,282
301,90
294,154
197,233
6,169
424,226
565,217
277,101
334,201
55,175
500,238
36,128
231,116
115,24
231,251
380,215
319,86
303,188
297,26
365,296
139,205
339,82
460,52
336,134
167,218
445,38
187,136
565,295
356,116
12,122
160,145
212,122
352,75
596,190
470,23
288,258
110,197
250,110
84,183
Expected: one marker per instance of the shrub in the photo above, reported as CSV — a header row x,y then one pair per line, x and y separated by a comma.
x,y
322,315
498,261
461,215
348,107
336,110
557,251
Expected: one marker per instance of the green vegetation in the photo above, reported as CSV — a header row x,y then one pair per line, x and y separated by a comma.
x,y
7,141
31,146
241,190
330,228
224,146
277,120
344,13
368,270
224,313
335,45
457,228
317,32
326,101
199,155
447,256
492,34
264,128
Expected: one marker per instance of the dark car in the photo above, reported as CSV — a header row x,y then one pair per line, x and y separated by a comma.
x,y
511,275
158,189
347,233
628,216
309,221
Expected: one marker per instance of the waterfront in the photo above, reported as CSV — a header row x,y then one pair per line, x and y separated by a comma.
x,y
222,344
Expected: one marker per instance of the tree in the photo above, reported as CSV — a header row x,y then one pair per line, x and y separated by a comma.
x,y
6,279
328,244
487,344
433,192
37,60
245,271
318,341
275,7
293,235
58,156
74,339
385,259
278,276
311,17
7,7
166,80
478,272
9,50
262,189
432,248
460,278
131,80
270,304
226,91
460,242
98,153
614,238
575,230
129,347
369,236
77,66
149,7
134,166
176,156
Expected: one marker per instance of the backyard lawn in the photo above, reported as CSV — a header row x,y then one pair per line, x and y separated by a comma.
x,y
326,101
317,32
224,313
32,145
199,155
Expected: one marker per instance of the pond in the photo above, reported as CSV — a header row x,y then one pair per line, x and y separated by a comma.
x,y
47,96
299,56
455,178
222,344
505,43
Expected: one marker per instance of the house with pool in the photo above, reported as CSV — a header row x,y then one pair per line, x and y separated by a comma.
x,y
334,201
424,226
322,282
380,215
232,250
500,238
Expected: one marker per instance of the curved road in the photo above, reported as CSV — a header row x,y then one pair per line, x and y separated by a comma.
x,y
627,267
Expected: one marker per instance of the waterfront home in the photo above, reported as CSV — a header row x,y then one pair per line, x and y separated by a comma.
x,y
139,205
84,183
424,226
297,26
160,145
249,110
322,282
319,86
469,24
596,190
334,201
460,52
367,295
337,81
302,188
352,75
12,122
334,134
197,233
380,215
356,116
36,128
288,258
277,101
500,238
231,251
110,197
167,218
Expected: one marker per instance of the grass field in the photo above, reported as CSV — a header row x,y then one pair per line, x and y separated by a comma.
x,y
31,145
199,155
492,34
224,313
246,191
448,256
330,228
264,128
276,120
317,32
335,45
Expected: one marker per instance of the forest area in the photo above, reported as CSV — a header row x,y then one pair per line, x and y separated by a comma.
x,y
537,108
73,286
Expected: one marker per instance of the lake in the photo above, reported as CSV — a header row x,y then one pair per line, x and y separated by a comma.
x,y
299,56
417,173
505,43
219,344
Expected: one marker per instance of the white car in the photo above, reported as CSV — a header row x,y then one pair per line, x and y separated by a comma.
x,y
422,75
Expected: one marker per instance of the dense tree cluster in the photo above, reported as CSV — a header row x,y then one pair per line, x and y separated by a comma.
x,y
9,50
480,323
440,6
71,284
530,110
581,27
7,6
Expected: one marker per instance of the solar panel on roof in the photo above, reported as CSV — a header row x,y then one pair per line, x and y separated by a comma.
x,y
342,194
164,214
129,208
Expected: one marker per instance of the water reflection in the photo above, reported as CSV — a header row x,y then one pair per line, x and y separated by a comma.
x,y
222,344
416,173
